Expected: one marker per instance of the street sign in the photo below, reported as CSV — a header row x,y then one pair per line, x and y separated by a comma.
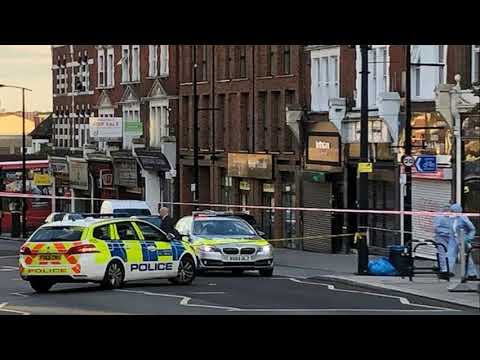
x,y
365,168
426,164
408,161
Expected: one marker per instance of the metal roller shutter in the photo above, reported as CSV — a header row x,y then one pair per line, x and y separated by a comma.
x,y
316,195
428,195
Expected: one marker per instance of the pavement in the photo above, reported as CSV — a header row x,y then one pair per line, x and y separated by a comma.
x,y
303,284
343,268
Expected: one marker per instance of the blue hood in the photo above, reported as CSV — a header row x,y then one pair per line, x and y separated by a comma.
x,y
457,208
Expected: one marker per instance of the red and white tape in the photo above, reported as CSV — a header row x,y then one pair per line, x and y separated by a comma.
x,y
258,207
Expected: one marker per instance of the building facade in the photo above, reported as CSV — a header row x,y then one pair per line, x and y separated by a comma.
x,y
248,155
116,110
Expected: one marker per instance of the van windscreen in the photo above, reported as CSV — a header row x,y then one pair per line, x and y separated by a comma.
x,y
132,212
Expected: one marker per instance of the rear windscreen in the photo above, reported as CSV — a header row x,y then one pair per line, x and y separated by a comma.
x,y
133,212
58,233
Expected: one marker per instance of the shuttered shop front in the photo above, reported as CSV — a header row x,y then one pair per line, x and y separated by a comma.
x,y
428,195
315,223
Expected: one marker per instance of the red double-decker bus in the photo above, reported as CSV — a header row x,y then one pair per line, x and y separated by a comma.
x,y
37,208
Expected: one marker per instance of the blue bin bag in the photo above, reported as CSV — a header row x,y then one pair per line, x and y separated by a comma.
x,y
381,267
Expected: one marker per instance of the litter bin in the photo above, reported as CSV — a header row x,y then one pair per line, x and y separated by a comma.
x,y
400,259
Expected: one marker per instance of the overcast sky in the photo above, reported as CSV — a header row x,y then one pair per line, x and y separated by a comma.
x,y
28,66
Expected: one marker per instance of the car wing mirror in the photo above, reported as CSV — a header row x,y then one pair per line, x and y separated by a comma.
x,y
170,237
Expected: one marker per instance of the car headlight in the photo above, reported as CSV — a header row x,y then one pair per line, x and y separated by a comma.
x,y
267,249
208,248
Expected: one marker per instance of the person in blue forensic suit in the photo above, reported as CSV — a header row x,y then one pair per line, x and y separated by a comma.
x,y
443,229
461,222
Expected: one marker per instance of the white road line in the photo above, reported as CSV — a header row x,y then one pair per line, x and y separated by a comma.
x,y
8,257
208,293
9,268
19,294
337,310
402,300
16,279
184,302
2,308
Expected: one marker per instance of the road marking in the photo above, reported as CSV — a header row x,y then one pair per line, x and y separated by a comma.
x,y
184,302
16,279
19,294
208,293
338,310
402,300
212,284
9,268
9,257
3,308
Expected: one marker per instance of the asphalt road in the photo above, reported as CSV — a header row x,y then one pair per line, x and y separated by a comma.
x,y
213,294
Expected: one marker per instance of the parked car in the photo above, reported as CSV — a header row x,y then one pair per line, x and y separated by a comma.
x,y
61,216
126,207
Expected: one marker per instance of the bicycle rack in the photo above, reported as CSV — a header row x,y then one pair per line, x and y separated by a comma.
x,y
432,270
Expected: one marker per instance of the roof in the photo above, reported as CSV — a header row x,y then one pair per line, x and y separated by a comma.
x,y
44,129
12,124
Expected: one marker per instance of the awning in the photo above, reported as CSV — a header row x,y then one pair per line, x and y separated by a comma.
x,y
153,161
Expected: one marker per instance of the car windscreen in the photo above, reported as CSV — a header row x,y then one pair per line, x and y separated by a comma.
x,y
152,220
75,217
222,228
57,233
133,212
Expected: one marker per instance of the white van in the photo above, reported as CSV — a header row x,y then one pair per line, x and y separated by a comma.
x,y
127,207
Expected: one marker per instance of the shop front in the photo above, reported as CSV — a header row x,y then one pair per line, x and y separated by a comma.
x,y
159,182
471,165
79,184
321,182
101,176
58,168
126,176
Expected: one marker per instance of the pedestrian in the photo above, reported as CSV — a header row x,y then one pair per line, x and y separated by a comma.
x,y
442,225
461,222
167,225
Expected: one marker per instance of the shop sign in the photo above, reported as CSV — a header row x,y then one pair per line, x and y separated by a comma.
x,y
244,185
365,168
106,128
153,161
106,178
79,175
324,148
133,128
125,172
58,166
268,188
41,179
255,166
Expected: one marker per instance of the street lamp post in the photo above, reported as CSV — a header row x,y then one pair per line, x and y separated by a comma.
x,y
24,150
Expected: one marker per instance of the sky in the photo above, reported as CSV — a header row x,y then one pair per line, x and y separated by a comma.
x,y
28,66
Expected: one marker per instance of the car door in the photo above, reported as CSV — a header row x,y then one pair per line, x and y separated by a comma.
x,y
157,249
103,237
128,244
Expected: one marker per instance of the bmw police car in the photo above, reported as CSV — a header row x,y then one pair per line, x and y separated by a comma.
x,y
225,242
110,252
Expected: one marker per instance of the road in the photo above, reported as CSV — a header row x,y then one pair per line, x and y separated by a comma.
x,y
213,294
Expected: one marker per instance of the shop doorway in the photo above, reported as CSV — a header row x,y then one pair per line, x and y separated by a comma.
x,y
268,215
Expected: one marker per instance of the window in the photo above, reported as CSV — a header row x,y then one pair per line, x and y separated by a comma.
x,y
58,233
262,121
243,62
475,63
374,75
431,135
126,231
152,60
164,60
418,84
151,233
125,63
385,70
136,63
270,60
102,232
204,68
228,61
441,61
159,122
101,68
286,59
324,75
110,67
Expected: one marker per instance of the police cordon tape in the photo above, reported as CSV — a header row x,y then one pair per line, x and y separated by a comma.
x,y
258,207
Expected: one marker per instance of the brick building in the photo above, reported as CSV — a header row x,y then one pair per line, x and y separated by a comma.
x,y
250,87
137,84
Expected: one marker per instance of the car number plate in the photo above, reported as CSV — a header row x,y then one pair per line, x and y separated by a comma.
x,y
239,258
50,257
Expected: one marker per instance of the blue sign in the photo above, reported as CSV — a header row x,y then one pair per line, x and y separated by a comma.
x,y
426,164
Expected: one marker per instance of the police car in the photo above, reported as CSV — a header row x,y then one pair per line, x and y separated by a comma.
x,y
110,252
226,241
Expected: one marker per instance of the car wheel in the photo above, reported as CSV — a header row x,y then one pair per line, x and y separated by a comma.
x,y
186,272
237,272
114,276
41,286
266,272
